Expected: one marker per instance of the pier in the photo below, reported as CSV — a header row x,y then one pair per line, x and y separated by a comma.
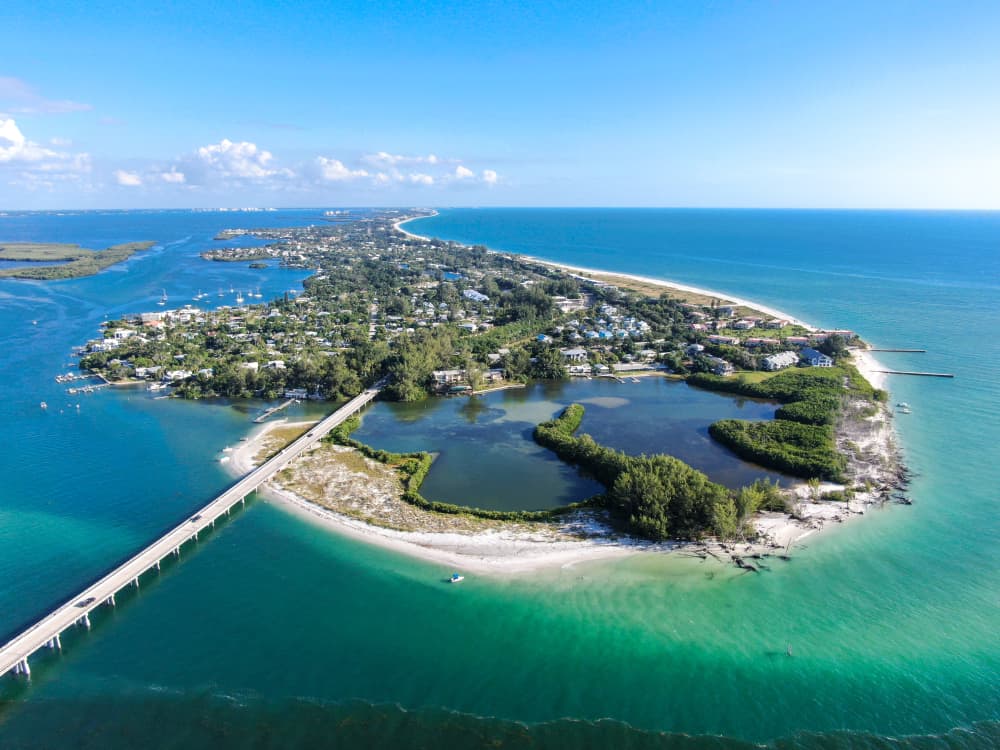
x,y
905,351
14,655
274,410
921,374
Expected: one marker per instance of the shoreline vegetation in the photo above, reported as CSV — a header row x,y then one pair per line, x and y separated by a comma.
x,y
433,317
64,261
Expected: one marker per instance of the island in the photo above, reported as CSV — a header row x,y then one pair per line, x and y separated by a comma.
x,y
63,261
425,318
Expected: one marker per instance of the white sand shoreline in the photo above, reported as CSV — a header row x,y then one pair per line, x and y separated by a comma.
x,y
514,552
398,226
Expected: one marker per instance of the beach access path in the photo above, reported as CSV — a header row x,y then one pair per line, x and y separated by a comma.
x,y
14,654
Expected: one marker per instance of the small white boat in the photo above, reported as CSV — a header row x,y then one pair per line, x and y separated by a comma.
x,y
44,405
456,578
905,410
224,459
902,405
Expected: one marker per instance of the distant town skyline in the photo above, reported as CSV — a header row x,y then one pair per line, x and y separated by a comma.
x,y
756,104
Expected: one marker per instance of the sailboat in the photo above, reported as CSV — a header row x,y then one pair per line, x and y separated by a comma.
x,y
163,299
239,297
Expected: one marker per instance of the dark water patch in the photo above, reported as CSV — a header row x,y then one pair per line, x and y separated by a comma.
x,y
487,457
219,722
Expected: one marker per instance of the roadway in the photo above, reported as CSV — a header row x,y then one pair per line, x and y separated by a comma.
x,y
14,654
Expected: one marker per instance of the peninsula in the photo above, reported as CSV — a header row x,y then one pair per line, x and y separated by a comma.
x,y
429,318
62,261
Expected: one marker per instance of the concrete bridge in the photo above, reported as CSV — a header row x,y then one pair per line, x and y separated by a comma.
x,y
46,632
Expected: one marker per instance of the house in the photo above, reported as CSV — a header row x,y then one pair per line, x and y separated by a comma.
x,y
776,323
448,377
720,366
543,338
475,296
299,393
780,361
743,325
815,358
575,355
727,340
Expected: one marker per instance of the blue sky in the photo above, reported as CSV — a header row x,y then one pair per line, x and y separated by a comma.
x,y
697,103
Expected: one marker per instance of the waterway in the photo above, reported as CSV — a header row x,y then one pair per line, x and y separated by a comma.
x,y
277,633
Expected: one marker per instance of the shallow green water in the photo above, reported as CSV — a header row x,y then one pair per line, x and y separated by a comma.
x,y
277,633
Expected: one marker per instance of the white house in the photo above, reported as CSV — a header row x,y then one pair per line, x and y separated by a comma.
x,y
780,361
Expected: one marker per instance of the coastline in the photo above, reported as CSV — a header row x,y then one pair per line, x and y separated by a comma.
x,y
676,286
506,549
398,226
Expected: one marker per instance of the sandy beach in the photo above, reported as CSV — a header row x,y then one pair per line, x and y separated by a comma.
x,y
504,549
398,226
507,549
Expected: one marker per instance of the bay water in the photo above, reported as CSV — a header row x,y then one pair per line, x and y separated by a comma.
x,y
274,632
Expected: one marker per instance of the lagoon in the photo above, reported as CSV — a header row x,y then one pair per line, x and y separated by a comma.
x,y
486,456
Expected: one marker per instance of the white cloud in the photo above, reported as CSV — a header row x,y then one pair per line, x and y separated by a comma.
x,y
127,179
173,177
463,173
60,142
335,171
34,165
242,160
385,159
24,100
418,178
490,177
14,147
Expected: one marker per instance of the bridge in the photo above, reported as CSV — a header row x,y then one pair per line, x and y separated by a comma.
x,y
46,632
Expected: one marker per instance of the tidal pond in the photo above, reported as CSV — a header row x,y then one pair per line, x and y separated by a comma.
x,y
486,457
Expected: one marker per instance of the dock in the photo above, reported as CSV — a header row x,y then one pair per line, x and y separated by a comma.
x,y
921,374
905,351
46,632
274,410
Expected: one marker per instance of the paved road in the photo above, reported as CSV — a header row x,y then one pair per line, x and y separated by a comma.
x,y
46,631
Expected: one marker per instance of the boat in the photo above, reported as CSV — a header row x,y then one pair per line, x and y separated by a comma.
x,y
902,405
163,299
456,578
224,459
904,410
239,298
44,405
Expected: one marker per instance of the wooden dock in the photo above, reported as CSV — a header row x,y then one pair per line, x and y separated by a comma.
x,y
905,351
274,410
46,632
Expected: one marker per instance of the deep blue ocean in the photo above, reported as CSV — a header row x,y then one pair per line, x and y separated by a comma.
x,y
275,632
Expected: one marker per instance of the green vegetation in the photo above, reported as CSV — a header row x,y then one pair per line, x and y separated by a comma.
x,y
41,252
80,262
657,497
803,450
800,440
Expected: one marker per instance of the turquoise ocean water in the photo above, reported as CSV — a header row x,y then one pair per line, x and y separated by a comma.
x,y
276,633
